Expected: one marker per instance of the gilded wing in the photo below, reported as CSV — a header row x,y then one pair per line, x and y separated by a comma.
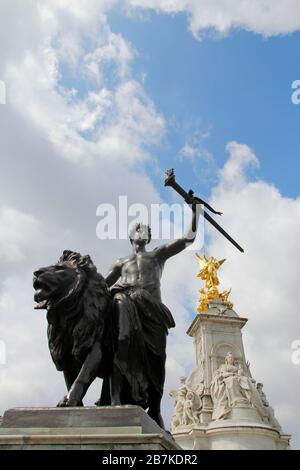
x,y
202,259
219,263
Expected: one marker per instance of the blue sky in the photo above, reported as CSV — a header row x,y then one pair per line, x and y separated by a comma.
x,y
236,87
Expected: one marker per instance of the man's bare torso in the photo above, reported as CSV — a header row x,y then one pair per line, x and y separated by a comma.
x,y
143,270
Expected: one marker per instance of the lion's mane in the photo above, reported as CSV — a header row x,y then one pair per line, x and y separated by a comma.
x,y
79,317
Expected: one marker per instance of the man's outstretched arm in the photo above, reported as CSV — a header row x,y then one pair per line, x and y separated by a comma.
x,y
166,251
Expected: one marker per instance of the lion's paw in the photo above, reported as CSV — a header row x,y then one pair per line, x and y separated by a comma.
x,y
62,402
68,402
74,403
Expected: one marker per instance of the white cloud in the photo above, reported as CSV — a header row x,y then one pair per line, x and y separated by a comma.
x,y
26,378
114,118
116,51
195,151
241,158
265,17
18,231
189,151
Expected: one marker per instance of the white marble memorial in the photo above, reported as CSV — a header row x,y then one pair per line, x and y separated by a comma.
x,y
220,405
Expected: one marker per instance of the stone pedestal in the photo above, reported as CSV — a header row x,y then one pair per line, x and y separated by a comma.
x,y
248,421
234,436
215,332
90,428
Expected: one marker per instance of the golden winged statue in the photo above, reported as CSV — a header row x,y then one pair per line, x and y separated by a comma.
x,y
209,274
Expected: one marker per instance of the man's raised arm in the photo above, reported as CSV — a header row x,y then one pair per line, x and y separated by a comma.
x,y
166,251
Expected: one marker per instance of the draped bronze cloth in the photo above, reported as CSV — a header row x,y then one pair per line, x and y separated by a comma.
x,y
140,325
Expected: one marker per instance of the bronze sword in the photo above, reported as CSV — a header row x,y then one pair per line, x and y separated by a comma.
x,y
170,181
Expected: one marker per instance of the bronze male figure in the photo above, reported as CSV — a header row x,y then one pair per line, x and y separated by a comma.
x,y
141,321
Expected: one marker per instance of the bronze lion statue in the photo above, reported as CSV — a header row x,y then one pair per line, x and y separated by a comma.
x,y
78,306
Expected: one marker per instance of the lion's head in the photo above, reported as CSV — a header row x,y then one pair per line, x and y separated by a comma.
x,y
54,284
77,300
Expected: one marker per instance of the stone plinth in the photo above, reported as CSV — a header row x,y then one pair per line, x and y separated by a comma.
x,y
89,428
237,435
215,332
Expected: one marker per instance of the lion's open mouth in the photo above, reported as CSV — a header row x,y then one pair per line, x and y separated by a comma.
x,y
40,295
41,305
